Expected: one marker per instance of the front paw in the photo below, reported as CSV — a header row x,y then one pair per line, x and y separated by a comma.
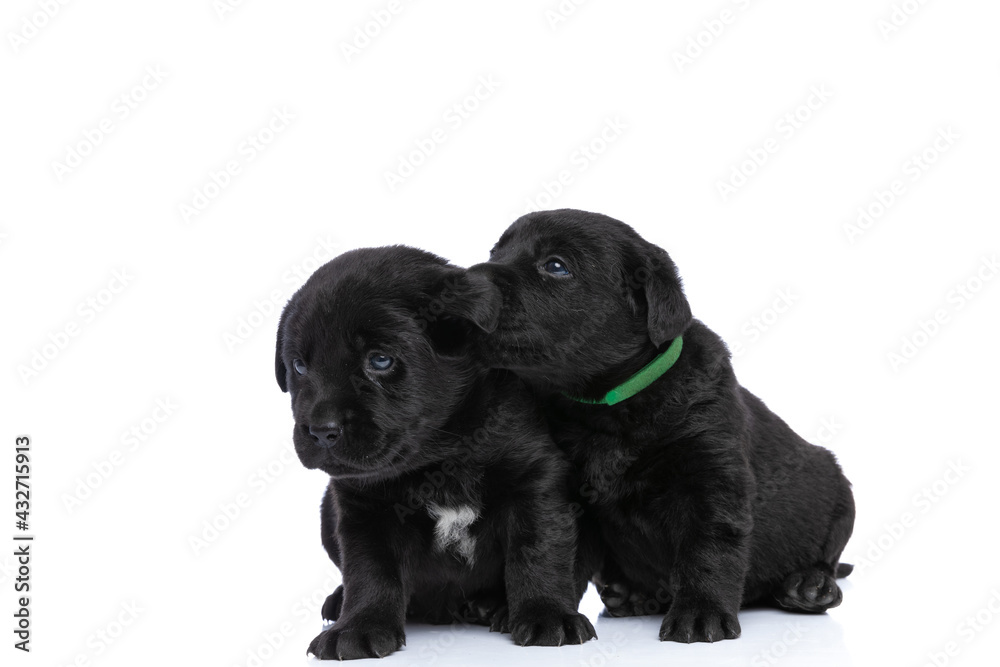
x,y
698,623
550,627
350,641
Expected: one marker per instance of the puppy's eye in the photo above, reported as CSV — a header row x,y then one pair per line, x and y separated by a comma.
x,y
556,267
380,362
299,366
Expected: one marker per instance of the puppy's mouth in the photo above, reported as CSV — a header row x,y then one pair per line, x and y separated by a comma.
x,y
347,457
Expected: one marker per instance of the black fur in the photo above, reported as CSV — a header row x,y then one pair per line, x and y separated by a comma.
x,y
436,430
706,500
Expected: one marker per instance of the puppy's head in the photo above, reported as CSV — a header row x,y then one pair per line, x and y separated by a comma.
x,y
583,296
374,351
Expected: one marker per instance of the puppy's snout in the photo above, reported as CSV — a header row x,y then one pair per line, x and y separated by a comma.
x,y
498,274
487,269
326,435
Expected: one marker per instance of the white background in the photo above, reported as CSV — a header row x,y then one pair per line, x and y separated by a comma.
x,y
194,282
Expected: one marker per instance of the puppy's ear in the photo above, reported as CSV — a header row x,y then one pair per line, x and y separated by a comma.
x,y
653,275
280,372
472,297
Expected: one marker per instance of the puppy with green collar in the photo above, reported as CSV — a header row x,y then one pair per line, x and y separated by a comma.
x,y
705,500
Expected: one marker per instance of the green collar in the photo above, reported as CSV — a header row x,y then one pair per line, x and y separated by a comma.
x,y
646,376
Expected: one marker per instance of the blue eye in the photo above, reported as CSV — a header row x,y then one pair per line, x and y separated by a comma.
x,y
380,362
299,366
555,267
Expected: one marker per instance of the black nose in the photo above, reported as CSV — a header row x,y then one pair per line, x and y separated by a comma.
x,y
326,435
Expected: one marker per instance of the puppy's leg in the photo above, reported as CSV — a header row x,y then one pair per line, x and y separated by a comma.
x,y
370,624
841,528
708,586
710,521
591,552
328,535
328,525
334,603
814,589
539,565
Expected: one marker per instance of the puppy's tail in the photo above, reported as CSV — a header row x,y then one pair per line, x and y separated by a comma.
x,y
844,569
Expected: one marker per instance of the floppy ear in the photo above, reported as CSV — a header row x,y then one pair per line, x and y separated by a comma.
x,y
280,372
654,274
472,297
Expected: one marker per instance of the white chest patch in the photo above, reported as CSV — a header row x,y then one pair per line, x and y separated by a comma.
x,y
451,533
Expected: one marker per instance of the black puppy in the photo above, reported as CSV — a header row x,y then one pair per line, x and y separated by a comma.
x,y
706,500
446,491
